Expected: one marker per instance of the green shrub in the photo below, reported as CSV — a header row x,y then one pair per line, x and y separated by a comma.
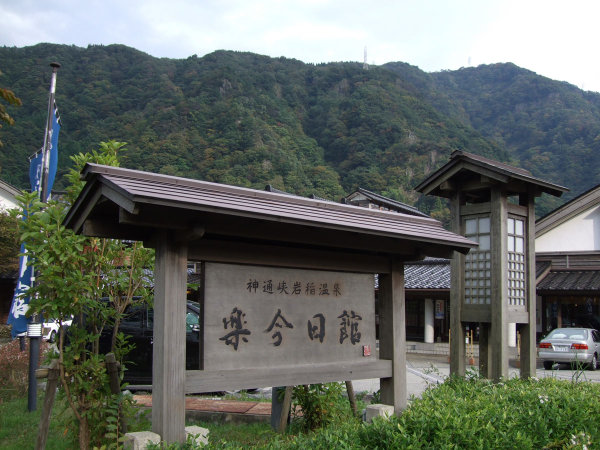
x,y
320,405
477,413
461,413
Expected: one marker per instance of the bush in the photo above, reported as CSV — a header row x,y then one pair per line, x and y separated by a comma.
x,y
320,405
14,376
5,332
458,414
477,413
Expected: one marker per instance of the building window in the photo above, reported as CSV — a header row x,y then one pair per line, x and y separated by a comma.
x,y
516,261
478,263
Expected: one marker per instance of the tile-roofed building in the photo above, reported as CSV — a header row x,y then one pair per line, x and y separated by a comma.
x,y
567,243
427,299
431,273
365,198
570,281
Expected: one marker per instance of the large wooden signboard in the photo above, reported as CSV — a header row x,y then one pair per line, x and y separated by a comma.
x,y
270,326
265,317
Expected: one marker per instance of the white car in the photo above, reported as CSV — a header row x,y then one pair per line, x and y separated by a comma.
x,y
570,345
50,329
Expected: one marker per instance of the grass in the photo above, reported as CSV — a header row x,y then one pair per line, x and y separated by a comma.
x,y
460,413
19,427
236,435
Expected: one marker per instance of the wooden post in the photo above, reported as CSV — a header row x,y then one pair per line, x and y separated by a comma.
x,y
484,349
113,373
528,331
168,374
351,396
285,409
392,336
499,331
51,385
112,368
457,293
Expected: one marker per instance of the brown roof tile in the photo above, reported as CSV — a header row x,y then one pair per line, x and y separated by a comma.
x,y
130,190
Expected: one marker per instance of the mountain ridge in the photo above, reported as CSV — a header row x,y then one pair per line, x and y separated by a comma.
x,y
324,129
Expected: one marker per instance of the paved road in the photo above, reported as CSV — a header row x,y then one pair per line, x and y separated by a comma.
x,y
424,370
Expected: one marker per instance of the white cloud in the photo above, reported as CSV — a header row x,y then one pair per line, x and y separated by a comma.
x,y
553,38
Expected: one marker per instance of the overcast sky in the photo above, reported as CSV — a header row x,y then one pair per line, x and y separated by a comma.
x,y
556,39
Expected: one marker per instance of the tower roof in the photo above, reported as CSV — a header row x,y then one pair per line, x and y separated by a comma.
x,y
476,174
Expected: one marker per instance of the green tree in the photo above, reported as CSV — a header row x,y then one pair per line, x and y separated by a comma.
x,y
9,243
93,280
10,97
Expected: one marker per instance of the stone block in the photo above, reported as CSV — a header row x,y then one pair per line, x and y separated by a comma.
x,y
139,440
200,434
378,410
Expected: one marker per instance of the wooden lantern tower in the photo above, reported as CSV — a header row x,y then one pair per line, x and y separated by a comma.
x,y
494,285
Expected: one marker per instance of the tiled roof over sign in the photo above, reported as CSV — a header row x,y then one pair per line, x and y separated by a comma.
x,y
431,273
570,280
134,192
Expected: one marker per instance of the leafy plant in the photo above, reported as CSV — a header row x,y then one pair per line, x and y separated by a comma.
x,y
10,97
320,405
94,280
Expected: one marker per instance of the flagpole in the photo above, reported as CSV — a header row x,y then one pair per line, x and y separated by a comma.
x,y
34,328
47,138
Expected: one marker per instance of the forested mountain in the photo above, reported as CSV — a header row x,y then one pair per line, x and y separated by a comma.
x,y
251,120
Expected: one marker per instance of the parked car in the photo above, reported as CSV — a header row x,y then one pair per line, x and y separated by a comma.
x,y
138,325
50,329
570,345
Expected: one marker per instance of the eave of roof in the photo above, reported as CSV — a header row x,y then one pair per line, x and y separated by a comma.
x,y
561,281
9,188
574,207
131,190
463,161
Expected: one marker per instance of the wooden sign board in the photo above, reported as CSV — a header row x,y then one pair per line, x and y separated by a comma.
x,y
267,317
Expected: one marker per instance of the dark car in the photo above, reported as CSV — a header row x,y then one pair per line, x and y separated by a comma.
x,y
137,325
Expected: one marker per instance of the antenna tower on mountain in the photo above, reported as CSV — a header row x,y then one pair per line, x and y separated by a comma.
x,y
365,64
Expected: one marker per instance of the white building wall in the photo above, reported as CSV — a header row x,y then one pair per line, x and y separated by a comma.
x,y
7,200
580,233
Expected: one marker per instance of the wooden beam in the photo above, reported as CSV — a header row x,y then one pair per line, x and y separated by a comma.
x,y
168,372
476,313
282,256
392,336
447,186
107,229
120,199
167,219
218,380
91,203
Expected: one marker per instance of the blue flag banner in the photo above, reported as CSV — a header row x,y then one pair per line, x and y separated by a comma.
x,y
53,148
20,303
35,165
35,171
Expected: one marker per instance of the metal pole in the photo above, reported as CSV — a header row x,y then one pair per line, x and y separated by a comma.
x,y
46,156
34,329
